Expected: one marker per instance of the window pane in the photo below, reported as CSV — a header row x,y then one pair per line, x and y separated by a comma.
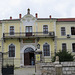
x,y
63,31
72,30
11,30
46,50
45,29
28,28
64,46
73,47
11,51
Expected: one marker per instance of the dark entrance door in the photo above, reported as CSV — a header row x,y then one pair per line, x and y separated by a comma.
x,y
26,59
28,55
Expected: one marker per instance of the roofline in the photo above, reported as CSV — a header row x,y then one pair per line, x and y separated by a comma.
x,y
10,20
57,19
65,19
46,19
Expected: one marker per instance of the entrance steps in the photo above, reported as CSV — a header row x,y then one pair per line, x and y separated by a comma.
x,y
28,66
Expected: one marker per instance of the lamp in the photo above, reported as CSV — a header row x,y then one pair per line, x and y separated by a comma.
x,y
38,46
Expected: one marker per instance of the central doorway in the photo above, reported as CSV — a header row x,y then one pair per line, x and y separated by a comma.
x,y
28,55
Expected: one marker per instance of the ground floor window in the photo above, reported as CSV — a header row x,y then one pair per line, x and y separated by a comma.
x,y
46,49
73,47
11,50
64,46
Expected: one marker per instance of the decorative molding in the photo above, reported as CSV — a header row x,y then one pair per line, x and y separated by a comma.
x,y
22,51
28,20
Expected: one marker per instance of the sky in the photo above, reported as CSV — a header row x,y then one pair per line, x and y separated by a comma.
x,y
44,8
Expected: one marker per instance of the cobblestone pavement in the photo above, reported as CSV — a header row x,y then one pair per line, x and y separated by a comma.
x,y
25,71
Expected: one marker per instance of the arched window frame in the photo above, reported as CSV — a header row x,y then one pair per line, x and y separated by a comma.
x,y
45,51
12,50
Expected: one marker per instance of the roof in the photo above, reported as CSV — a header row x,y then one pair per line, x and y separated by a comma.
x,y
45,18
65,19
10,20
57,19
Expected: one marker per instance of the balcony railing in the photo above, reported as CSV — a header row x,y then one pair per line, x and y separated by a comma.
x,y
28,34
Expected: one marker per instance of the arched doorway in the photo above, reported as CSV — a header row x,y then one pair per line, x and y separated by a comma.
x,y
28,55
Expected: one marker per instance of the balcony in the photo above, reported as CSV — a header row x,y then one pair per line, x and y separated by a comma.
x,y
28,35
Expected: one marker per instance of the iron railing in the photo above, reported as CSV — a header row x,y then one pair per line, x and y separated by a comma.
x,y
28,34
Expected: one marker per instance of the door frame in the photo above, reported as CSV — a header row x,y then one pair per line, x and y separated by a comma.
x,y
22,53
30,55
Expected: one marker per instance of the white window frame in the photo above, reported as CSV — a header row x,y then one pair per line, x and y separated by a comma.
x,y
64,31
70,29
49,50
9,30
15,50
66,46
47,29
28,26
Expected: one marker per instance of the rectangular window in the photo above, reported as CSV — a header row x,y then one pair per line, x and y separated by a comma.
x,y
72,30
28,28
73,47
64,46
63,33
45,29
11,30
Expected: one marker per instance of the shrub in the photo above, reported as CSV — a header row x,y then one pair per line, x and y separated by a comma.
x,y
63,56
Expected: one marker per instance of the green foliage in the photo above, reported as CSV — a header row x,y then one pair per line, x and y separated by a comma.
x,y
63,56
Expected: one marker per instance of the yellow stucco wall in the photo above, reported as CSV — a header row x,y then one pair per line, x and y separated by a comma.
x,y
15,24
38,27
68,43
17,49
42,41
67,26
49,23
64,39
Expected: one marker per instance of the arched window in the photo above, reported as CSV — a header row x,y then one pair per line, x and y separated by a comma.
x,y
45,29
11,50
46,49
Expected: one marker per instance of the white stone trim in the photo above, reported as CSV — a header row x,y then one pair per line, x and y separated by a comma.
x,y
15,50
22,53
2,29
55,28
66,45
47,25
9,30
50,50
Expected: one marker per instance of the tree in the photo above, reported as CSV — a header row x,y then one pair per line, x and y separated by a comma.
x,y
63,56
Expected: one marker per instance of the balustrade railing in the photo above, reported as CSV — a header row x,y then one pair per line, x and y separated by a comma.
x,y
28,34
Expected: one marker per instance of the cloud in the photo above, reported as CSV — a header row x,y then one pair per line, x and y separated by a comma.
x,y
44,8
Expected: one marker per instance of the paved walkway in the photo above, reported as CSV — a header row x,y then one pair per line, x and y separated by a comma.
x,y
25,71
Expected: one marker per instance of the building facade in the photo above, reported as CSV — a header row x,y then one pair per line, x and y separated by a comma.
x,y
22,37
